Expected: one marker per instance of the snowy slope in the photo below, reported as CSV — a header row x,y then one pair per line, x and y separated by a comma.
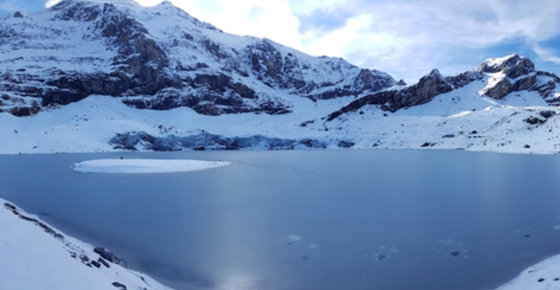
x,y
37,256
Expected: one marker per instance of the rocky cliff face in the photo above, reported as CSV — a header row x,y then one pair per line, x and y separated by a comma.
x,y
422,92
158,58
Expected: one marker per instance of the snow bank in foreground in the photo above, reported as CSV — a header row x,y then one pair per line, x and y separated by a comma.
x,y
544,275
144,165
39,257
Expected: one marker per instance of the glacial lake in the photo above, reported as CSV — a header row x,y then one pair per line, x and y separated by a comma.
x,y
342,219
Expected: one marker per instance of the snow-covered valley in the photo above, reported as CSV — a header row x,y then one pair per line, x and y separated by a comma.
x,y
519,123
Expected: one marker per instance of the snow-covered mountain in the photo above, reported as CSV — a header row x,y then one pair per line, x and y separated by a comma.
x,y
95,76
159,58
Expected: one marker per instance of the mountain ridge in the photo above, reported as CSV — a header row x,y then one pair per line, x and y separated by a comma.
x,y
509,74
154,65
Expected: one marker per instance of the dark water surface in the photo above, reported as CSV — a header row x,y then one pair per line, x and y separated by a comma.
x,y
389,219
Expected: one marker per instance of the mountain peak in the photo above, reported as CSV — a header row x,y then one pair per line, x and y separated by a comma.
x,y
512,65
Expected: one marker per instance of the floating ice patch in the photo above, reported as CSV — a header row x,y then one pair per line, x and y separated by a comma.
x,y
144,165
556,227
313,246
383,254
451,248
294,238
525,233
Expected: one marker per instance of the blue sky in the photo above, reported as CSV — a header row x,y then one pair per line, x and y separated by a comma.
x,y
406,38
24,5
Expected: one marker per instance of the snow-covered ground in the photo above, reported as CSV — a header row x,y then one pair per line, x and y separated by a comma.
x,y
542,276
144,165
39,257
461,119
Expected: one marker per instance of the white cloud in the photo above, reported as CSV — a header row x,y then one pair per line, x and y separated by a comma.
x,y
271,19
409,37
546,54
51,3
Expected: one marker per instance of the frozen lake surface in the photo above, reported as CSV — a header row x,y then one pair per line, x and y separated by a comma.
x,y
388,219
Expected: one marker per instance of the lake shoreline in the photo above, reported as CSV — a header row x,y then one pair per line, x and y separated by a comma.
x,y
39,256
539,276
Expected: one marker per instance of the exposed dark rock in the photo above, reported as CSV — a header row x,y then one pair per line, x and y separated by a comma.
x,y
109,256
534,120
506,86
369,80
102,261
304,124
546,87
9,206
207,141
547,113
345,144
287,73
428,144
269,66
85,260
119,285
